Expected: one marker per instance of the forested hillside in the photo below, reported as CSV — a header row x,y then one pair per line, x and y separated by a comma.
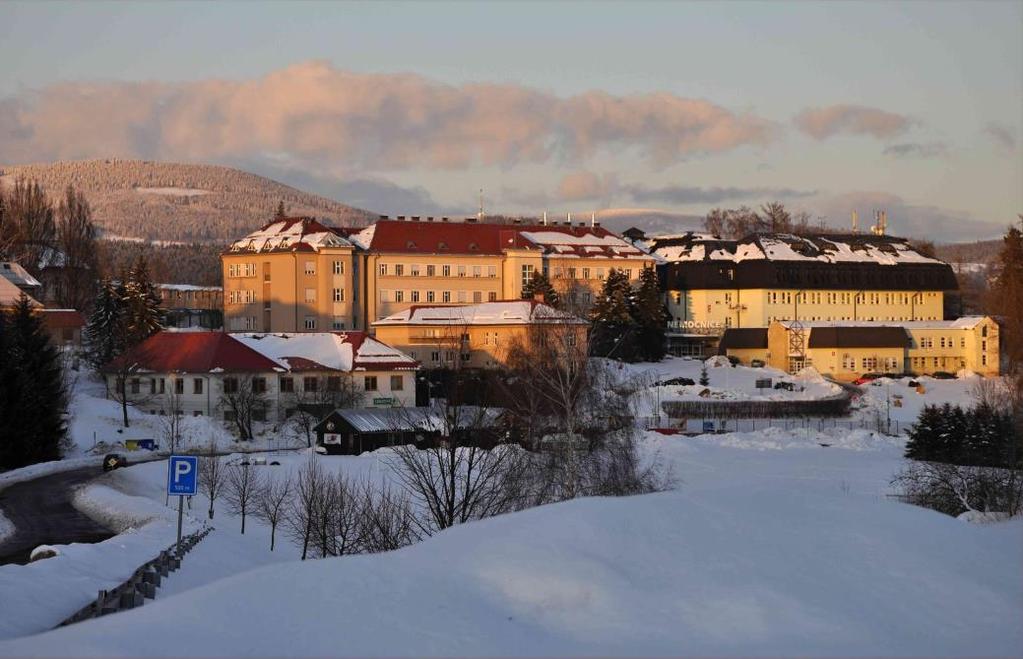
x,y
168,264
170,201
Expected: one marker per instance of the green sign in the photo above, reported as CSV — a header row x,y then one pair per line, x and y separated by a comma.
x,y
383,401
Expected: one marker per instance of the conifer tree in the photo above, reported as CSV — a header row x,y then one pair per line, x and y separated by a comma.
x,y
280,214
34,393
104,333
704,378
143,314
613,330
647,312
923,435
1006,296
540,284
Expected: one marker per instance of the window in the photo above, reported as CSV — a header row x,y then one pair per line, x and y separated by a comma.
x,y
310,267
311,383
339,295
477,297
446,296
310,295
445,270
399,270
383,269
163,385
310,322
369,383
197,386
397,383
287,385
230,385
962,342
527,274
466,356
431,296
338,323
449,355
586,273
435,356
415,296
462,296
942,342
477,271
333,383
461,271
259,385
383,295
492,271
492,296
869,363
152,385
571,273
179,387
431,270
339,267
399,296
134,382
600,274
414,270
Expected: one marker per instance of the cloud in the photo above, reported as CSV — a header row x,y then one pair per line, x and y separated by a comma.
x,y
904,218
314,114
1003,135
681,194
822,123
914,150
577,186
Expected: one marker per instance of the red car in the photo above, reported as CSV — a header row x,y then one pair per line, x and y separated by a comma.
x,y
866,377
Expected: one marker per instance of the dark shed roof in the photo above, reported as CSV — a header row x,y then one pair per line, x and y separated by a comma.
x,y
743,337
859,337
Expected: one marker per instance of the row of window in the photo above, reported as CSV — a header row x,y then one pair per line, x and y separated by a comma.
x,y
418,270
826,297
928,342
461,297
308,267
257,385
244,296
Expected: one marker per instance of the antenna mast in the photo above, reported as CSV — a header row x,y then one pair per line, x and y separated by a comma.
x,y
480,215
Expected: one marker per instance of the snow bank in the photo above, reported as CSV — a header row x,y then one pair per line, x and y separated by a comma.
x,y
46,468
44,551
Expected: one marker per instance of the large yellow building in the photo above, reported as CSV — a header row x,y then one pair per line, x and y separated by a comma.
x,y
713,284
847,350
473,336
430,262
292,275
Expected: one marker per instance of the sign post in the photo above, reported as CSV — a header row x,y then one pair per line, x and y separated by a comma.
x,y
182,481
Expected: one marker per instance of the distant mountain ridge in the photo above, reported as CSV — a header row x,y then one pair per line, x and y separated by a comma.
x,y
176,201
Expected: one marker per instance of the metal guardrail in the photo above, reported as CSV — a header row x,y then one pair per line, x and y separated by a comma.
x,y
141,585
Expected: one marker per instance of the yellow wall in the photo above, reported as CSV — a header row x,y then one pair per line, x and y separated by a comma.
x,y
280,278
758,307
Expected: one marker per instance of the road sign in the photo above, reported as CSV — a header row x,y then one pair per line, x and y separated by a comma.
x,y
183,475
708,426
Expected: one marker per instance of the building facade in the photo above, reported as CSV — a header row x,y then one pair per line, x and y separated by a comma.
x,y
195,373
192,306
713,284
472,336
847,350
292,275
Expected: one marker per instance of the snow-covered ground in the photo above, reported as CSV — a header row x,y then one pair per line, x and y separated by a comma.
x,y
770,544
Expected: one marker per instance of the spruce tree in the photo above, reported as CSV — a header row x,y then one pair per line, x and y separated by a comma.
x,y
104,332
647,311
924,434
704,378
280,214
540,284
143,314
36,427
613,331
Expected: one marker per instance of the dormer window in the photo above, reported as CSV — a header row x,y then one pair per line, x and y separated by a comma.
x,y
442,245
473,247
410,244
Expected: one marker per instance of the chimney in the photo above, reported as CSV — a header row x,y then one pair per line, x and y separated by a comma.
x,y
545,218
384,217
593,219
401,218
429,218
415,218
444,219
471,220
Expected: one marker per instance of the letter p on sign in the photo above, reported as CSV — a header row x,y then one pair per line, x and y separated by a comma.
x,y
182,475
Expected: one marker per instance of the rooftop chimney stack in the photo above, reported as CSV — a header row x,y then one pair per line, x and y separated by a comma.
x,y
593,219
545,218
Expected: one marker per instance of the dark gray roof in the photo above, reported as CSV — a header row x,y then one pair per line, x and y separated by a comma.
x,y
743,337
859,337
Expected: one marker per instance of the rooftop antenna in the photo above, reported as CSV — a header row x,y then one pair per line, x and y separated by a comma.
x,y
855,222
480,215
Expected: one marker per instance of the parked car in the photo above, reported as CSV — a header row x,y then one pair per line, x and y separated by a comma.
x,y
114,461
943,375
866,377
677,381
757,363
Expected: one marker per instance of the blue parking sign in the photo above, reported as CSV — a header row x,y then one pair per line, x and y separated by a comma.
x,y
183,475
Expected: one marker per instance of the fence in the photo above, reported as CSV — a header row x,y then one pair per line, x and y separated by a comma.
x,y
832,406
696,425
141,585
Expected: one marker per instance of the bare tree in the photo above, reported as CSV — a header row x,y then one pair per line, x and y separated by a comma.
x,y
76,236
304,504
244,400
387,519
211,476
338,527
318,397
243,485
271,504
955,489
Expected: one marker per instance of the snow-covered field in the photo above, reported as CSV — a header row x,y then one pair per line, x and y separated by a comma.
x,y
770,544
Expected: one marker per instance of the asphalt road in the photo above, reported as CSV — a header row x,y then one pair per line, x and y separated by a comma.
x,y
42,513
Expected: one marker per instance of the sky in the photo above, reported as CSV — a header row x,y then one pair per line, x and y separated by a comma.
x,y
914,107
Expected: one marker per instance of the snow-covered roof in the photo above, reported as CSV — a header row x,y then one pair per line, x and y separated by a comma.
x,y
18,275
510,312
290,234
188,287
338,351
411,419
9,294
855,248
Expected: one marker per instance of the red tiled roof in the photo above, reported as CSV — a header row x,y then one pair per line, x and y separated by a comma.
x,y
61,318
192,352
446,237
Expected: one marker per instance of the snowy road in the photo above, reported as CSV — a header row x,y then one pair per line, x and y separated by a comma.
x,y
42,513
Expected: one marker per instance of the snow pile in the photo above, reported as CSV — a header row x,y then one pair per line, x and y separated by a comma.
x,y
42,552
776,439
768,568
